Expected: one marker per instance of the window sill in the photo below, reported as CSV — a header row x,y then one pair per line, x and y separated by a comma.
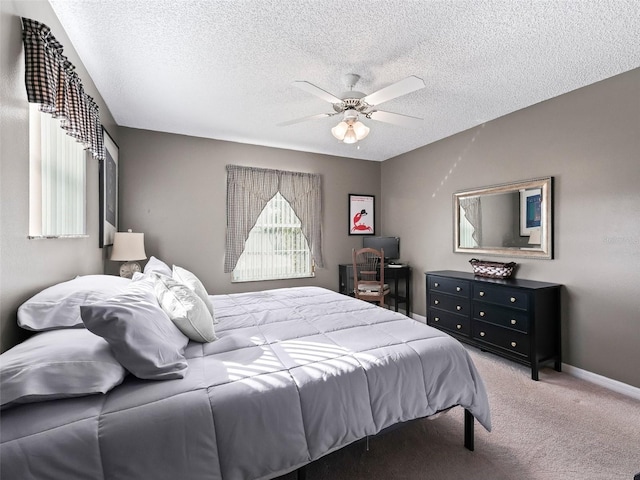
x,y
312,275
45,237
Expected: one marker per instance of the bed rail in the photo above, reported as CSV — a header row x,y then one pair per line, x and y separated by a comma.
x,y
469,438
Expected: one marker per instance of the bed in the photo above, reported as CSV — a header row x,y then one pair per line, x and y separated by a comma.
x,y
289,376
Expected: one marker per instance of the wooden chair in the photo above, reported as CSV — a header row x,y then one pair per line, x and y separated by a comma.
x,y
368,275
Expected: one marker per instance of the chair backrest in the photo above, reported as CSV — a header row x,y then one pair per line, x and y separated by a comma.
x,y
368,268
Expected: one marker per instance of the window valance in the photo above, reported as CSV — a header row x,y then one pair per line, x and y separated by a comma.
x,y
249,190
52,82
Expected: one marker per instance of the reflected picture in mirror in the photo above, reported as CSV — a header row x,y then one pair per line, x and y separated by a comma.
x,y
512,219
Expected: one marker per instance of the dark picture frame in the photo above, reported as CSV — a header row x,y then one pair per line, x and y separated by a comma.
x,y
108,187
362,214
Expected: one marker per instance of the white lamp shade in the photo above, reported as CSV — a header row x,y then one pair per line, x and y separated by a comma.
x,y
128,246
361,130
339,130
350,136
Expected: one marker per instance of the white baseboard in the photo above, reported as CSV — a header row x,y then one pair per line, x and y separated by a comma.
x,y
605,382
609,383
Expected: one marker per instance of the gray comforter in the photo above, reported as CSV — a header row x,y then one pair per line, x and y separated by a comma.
x,y
295,374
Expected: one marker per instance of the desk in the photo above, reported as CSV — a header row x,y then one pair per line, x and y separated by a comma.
x,y
392,276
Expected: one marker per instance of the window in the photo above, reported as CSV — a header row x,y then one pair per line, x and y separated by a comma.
x,y
57,179
274,220
276,247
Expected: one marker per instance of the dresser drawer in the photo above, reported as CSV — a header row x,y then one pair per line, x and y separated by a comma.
x,y
507,297
450,303
504,317
507,339
448,321
451,286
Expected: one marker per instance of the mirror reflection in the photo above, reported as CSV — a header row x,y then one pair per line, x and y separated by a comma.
x,y
512,219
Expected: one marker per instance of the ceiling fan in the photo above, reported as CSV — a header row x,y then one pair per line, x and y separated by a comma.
x,y
353,104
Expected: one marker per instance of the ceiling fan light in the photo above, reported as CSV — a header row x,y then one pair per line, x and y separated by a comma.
x,y
361,130
350,136
350,116
340,130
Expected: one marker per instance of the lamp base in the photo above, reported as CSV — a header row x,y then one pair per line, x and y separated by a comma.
x,y
127,269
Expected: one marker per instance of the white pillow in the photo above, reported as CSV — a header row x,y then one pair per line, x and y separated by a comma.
x,y
185,308
190,280
59,305
63,363
157,266
143,338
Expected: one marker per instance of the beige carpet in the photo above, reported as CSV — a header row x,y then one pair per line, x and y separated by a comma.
x,y
560,428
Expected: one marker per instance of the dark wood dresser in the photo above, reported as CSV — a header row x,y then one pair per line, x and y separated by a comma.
x,y
516,319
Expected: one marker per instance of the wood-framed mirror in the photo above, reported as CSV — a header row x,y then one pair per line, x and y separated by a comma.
x,y
512,219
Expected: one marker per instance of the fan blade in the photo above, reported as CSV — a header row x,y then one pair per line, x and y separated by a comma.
x,y
408,85
317,91
304,119
395,118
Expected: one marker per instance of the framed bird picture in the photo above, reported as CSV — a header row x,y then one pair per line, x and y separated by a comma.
x,y
362,214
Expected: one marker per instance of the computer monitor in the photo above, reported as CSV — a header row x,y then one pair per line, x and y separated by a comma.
x,y
390,245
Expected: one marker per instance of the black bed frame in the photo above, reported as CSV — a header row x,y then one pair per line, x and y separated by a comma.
x,y
468,440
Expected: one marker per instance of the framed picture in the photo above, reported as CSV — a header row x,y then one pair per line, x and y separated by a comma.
x,y
108,191
530,211
362,214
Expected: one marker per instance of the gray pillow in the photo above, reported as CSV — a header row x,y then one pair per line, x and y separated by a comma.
x,y
185,309
143,338
58,306
65,363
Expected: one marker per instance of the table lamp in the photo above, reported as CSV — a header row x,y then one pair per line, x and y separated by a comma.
x,y
128,247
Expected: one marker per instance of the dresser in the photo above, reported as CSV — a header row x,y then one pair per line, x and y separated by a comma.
x,y
514,318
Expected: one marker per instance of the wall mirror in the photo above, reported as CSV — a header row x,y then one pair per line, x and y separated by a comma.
x,y
513,219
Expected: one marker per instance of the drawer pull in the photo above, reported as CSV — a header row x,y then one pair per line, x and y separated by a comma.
x,y
482,314
436,319
513,344
512,299
436,302
482,334
458,326
458,307
482,294
436,284
458,289
513,322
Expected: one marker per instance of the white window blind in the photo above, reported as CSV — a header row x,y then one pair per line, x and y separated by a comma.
x,y
466,232
276,247
57,188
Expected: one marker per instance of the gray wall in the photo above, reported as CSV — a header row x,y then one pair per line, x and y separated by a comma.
x,y
589,140
173,188
27,266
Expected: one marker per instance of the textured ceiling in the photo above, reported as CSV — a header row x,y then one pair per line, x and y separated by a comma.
x,y
224,69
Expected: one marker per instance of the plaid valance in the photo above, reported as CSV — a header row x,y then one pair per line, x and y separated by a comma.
x,y
52,81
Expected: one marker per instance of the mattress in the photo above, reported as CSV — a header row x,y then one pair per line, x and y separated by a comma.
x,y
295,374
